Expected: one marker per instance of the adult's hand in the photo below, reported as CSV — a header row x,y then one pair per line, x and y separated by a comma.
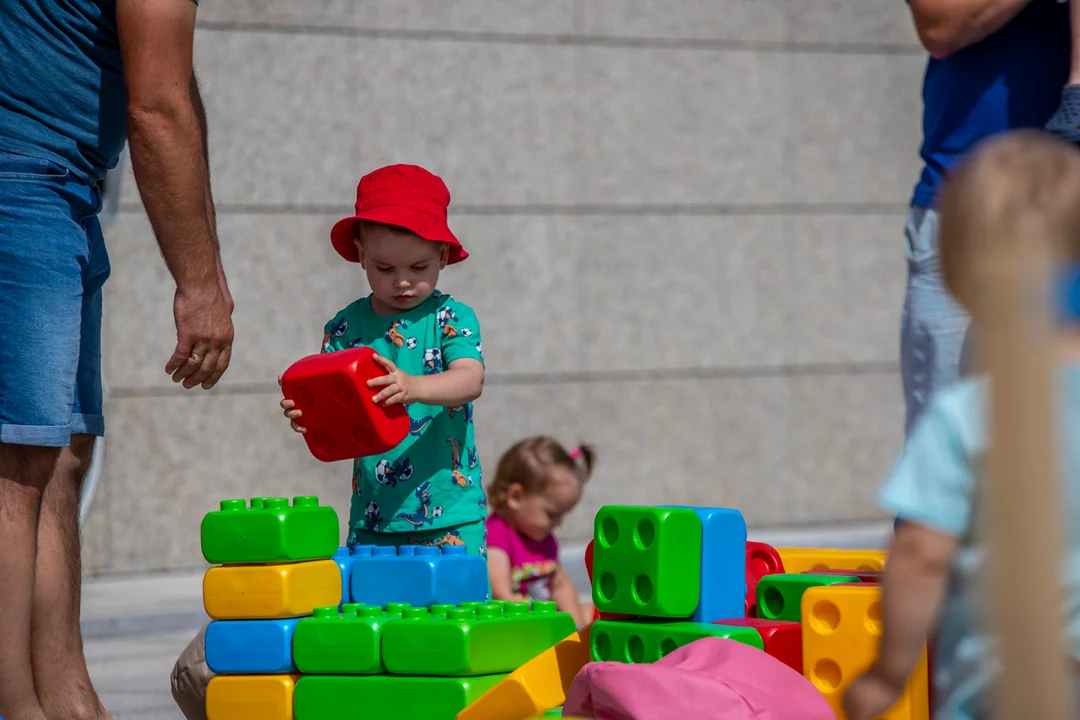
x,y
204,334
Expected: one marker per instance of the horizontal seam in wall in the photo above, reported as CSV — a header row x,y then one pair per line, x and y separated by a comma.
x,y
582,210
577,377
569,40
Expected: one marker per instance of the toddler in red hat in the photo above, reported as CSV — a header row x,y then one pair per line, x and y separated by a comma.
x,y
428,489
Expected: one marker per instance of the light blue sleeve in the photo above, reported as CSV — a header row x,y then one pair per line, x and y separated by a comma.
x,y
933,482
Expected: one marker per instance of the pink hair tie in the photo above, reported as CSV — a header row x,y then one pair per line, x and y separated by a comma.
x,y
575,454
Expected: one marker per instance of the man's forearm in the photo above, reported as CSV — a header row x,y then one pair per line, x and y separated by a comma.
x,y
948,26
168,157
1074,23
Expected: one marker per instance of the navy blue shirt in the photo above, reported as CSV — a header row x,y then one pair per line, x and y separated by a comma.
x,y
62,93
1010,80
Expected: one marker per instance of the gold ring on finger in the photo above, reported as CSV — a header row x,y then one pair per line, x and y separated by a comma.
x,y
195,359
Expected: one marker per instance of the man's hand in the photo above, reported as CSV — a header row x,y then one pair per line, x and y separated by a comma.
x,y
204,335
397,385
869,697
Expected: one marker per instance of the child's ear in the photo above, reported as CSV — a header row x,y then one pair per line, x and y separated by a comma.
x,y
444,255
359,249
514,495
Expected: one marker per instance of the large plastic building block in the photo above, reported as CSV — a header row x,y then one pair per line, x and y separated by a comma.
x,y
799,560
419,575
243,697
782,639
866,576
250,646
345,643
269,531
646,642
493,638
330,390
343,557
841,630
761,559
779,595
267,592
723,568
537,686
363,697
647,561
597,615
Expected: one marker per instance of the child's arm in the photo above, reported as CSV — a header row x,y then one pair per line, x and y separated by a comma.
x,y
461,382
1074,24
914,586
498,563
565,596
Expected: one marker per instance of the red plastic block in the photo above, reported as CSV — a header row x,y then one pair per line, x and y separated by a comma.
x,y
342,422
597,615
782,638
866,576
761,559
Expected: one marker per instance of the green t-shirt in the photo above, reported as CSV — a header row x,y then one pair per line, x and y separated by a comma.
x,y
432,479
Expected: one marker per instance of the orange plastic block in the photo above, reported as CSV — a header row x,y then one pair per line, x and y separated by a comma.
x,y
243,697
841,629
800,560
537,686
268,592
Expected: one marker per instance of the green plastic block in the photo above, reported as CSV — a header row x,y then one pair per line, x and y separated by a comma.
x,y
270,531
779,597
396,697
494,638
554,712
647,561
647,641
345,643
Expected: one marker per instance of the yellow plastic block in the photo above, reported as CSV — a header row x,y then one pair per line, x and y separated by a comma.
x,y
537,686
841,629
248,592
245,697
799,560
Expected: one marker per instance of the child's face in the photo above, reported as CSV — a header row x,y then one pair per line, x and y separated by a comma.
x,y
537,515
402,270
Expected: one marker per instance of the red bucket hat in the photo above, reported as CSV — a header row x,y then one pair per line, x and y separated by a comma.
x,y
404,195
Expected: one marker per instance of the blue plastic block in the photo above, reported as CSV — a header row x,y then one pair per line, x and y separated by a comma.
x,y
251,646
723,564
419,575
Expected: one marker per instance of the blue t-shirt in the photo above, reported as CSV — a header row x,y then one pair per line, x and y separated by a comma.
x,y
934,484
1010,80
62,93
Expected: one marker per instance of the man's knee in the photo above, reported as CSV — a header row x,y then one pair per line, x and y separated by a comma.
x,y
81,453
190,676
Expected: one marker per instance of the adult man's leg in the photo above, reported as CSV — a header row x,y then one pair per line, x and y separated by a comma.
x,y
60,674
24,472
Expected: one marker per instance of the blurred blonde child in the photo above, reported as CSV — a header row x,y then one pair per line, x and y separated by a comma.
x,y
537,482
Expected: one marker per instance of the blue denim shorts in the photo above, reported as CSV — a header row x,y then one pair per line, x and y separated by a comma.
x,y
53,264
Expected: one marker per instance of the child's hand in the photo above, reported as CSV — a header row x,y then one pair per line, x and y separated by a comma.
x,y
397,386
291,412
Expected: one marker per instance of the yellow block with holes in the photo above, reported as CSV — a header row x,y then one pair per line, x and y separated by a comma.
x,y
798,560
266,592
841,628
537,686
246,697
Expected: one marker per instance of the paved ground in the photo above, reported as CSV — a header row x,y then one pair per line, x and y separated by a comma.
x,y
134,627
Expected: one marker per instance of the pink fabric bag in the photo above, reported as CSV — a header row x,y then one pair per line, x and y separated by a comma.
x,y
712,678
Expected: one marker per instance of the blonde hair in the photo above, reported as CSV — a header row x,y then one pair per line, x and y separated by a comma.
x,y
529,464
1014,188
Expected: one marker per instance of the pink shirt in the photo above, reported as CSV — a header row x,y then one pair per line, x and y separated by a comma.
x,y
532,563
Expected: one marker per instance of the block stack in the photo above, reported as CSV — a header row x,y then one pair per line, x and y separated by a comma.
x,y
272,566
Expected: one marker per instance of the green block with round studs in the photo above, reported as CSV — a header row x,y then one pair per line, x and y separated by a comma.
x,y
779,597
496,637
647,561
646,641
270,530
347,642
